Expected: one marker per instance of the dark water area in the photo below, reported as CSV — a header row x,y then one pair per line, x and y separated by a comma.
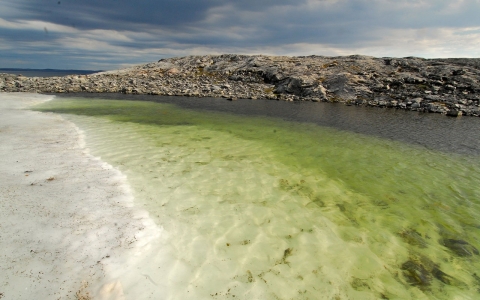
x,y
45,72
434,132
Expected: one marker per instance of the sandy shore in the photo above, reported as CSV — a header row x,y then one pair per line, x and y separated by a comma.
x,y
67,222
235,211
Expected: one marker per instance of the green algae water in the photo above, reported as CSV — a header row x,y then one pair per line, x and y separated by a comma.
x,y
261,208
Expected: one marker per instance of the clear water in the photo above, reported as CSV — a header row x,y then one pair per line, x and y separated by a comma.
x,y
431,131
262,208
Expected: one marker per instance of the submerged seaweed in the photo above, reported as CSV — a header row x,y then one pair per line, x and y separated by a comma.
x,y
412,237
459,247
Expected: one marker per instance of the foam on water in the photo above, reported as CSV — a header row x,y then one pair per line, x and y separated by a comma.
x,y
257,208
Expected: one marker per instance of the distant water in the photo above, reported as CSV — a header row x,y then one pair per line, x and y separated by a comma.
x,y
347,203
45,72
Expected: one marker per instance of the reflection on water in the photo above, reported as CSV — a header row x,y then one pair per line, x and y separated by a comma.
x,y
262,208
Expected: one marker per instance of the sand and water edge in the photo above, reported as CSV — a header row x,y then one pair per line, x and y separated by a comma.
x,y
206,205
67,218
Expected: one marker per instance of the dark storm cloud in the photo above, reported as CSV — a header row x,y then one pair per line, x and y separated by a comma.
x,y
114,14
140,31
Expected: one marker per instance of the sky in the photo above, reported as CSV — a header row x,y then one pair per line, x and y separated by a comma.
x,y
112,34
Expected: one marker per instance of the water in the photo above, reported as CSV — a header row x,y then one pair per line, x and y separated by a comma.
x,y
263,207
45,72
431,131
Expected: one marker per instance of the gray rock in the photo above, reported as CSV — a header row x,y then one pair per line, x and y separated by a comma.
x,y
415,105
454,113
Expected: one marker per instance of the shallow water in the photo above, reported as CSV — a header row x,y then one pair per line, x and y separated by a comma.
x,y
262,208
430,131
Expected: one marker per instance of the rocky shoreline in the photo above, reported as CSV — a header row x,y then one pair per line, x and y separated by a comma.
x,y
447,86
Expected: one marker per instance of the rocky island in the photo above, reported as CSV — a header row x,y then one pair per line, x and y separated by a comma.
x,y
449,86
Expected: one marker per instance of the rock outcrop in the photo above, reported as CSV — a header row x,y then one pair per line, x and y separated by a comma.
x,y
447,86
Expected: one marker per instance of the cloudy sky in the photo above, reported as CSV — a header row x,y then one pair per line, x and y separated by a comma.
x,y
110,34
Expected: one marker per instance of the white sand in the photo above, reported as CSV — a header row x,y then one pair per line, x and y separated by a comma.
x,y
68,228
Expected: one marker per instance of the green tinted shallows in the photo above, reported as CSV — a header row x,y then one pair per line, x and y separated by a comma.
x,y
288,210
